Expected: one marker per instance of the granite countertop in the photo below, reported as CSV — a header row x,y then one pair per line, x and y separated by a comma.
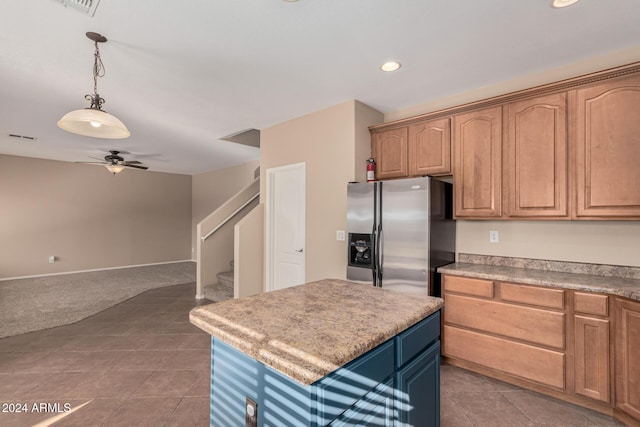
x,y
621,286
308,331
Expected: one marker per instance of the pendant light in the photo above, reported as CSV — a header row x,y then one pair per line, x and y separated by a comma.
x,y
94,121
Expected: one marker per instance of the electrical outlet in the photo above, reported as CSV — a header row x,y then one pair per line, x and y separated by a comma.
x,y
251,414
494,237
52,259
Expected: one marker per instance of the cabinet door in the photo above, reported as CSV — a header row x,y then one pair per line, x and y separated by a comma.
x,y
418,390
374,409
535,158
628,357
477,146
608,150
430,148
592,357
390,153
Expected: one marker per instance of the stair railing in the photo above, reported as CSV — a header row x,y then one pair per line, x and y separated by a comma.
x,y
215,238
227,219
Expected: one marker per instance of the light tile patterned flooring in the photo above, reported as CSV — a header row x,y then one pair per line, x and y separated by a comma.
x,y
141,363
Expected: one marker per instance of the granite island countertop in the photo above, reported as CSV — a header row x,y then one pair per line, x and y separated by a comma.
x,y
620,286
308,331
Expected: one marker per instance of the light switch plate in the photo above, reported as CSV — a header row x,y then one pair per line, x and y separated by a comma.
x,y
340,236
494,236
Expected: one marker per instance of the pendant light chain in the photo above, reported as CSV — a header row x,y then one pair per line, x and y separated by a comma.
x,y
98,71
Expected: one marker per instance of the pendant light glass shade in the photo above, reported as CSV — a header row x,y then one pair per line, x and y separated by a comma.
x,y
114,169
95,123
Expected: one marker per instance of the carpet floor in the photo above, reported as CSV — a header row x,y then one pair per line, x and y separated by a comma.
x,y
33,304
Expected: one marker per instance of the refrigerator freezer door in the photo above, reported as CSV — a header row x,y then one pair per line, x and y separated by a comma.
x,y
405,235
360,221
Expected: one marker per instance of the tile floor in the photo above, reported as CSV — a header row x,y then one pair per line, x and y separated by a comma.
x,y
141,363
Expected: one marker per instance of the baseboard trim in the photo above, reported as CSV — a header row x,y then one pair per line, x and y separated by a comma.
x,y
95,269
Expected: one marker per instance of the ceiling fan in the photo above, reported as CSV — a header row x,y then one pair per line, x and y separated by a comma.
x,y
115,163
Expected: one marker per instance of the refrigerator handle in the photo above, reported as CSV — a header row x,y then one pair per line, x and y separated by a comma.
x,y
379,237
374,255
380,255
374,236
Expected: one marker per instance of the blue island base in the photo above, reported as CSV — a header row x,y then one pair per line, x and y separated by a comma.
x,y
395,384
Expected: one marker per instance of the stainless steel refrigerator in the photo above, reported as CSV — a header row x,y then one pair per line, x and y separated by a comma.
x,y
399,232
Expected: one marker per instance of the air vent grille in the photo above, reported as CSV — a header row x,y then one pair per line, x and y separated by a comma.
x,y
30,138
87,6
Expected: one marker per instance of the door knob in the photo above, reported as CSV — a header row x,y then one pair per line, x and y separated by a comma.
x,y
300,250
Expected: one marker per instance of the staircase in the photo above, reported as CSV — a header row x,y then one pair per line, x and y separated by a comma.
x,y
223,290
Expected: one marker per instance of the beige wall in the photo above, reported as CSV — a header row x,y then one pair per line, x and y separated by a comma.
x,y
334,143
89,218
210,190
600,242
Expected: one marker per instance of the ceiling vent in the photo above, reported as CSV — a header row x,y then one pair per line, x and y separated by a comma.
x,y
29,138
86,6
249,137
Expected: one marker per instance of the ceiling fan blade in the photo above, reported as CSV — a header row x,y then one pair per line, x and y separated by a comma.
x,y
131,162
92,163
97,158
136,166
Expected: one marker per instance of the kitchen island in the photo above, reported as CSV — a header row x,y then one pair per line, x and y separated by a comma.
x,y
329,352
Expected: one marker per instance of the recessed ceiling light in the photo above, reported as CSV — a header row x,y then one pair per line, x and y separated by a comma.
x,y
563,3
390,66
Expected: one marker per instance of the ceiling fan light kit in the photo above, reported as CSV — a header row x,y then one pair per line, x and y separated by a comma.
x,y
94,121
114,169
116,164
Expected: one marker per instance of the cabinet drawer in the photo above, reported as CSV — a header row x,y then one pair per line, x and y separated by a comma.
x,y
417,338
523,323
523,360
534,295
465,285
342,388
591,303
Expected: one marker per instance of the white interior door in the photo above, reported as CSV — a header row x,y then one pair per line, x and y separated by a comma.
x,y
285,226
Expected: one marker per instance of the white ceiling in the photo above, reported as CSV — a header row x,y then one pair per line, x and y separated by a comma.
x,y
183,74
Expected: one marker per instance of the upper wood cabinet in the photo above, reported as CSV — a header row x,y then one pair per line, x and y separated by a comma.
x,y
389,149
430,148
535,158
607,149
418,149
477,148
565,150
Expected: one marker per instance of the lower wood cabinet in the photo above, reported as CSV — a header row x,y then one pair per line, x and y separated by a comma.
x,y
525,341
592,346
592,357
555,341
628,357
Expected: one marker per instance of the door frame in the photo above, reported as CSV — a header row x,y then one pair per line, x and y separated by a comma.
x,y
269,220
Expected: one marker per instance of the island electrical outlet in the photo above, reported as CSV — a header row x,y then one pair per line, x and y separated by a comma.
x,y
251,414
